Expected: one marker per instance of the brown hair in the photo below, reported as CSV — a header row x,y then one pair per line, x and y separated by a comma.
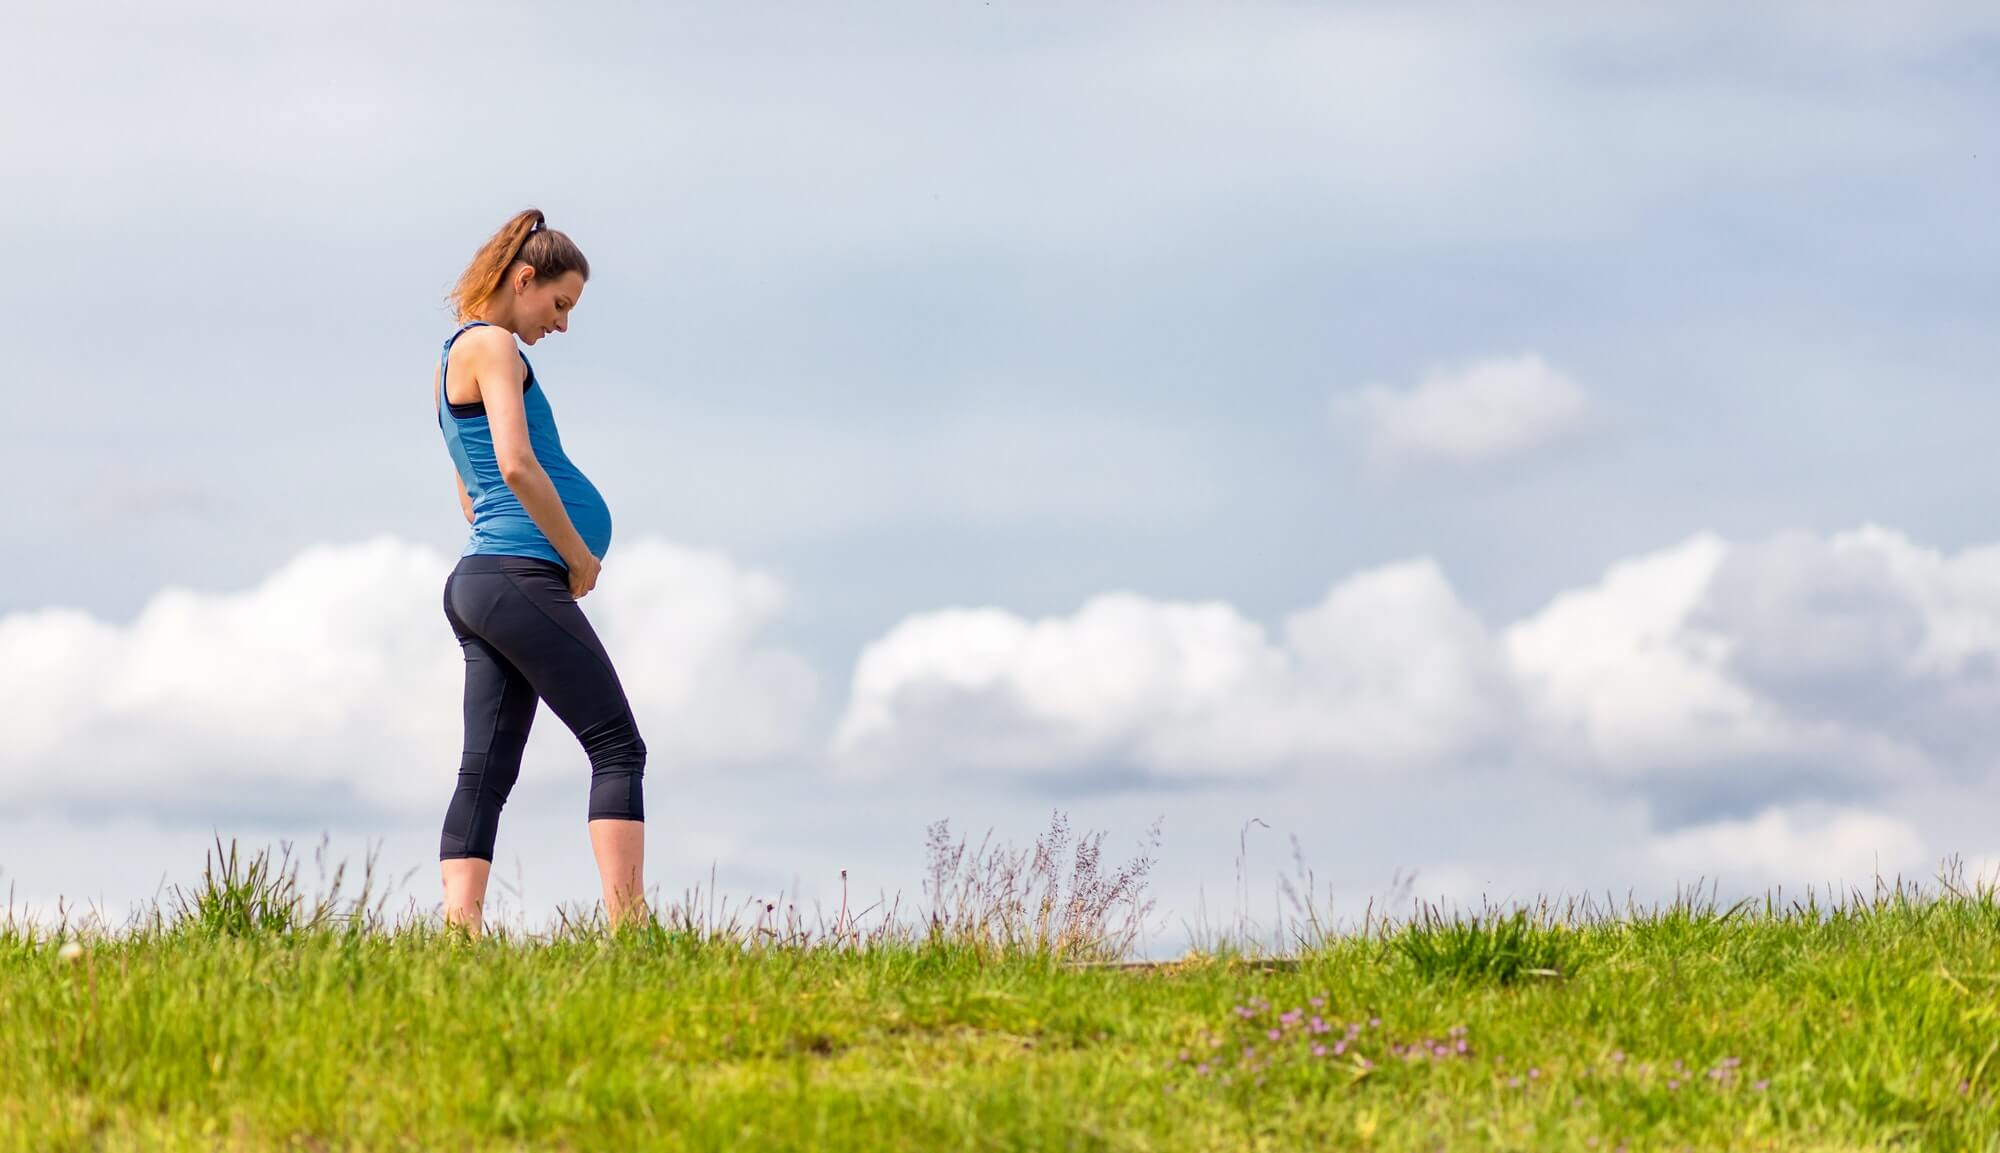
x,y
524,238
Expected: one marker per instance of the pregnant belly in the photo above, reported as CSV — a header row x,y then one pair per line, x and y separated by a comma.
x,y
588,512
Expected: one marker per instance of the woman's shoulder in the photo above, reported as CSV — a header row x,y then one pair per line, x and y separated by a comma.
x,y
494,347
486,338
479,353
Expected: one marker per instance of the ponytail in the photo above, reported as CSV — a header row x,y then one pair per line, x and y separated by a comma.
x,y
525,238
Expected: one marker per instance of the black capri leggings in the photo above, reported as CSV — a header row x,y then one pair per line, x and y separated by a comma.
x,y
525,640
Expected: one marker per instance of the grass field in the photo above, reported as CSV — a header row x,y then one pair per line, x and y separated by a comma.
x,y
244,1016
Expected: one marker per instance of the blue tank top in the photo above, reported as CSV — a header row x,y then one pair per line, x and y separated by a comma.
x,y
500,526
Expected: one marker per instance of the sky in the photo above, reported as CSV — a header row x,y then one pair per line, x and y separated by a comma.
x,y
1462,456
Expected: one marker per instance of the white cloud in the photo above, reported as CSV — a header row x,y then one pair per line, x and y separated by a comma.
x,y
337,684
1389,669
1797,846
1865,632
1709,677
1478,412
685,629
1616,675
1684,714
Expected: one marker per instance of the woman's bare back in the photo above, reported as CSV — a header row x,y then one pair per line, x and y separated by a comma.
x,y
462,387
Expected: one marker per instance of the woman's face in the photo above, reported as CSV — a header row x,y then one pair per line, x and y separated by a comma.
x,y
543,305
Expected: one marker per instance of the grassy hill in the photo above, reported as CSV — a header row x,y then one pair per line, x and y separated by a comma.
x,y
248,1017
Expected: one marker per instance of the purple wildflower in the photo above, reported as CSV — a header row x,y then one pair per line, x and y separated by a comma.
x,y
1274,1034
1762,1085
1316,1002
1374,1022
1319,1050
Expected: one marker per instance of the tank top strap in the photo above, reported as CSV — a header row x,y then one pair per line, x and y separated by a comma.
x,y
444,360
463,327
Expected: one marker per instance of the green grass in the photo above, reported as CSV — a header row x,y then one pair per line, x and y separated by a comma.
x,y
249,1018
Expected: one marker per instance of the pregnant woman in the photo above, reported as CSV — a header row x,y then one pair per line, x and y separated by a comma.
x,y
539,531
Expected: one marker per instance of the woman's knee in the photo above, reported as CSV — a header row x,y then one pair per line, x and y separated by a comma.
x,y
616,747
617,772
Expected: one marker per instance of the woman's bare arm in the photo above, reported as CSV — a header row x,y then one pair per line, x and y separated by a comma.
x,y
498,368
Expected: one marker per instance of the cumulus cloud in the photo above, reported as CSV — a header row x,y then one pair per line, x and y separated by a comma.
x,y
1795,846
1711,678
334,686
1770,693
1478,412
1635,682
688,628
1672,720
1389,669
1868,629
